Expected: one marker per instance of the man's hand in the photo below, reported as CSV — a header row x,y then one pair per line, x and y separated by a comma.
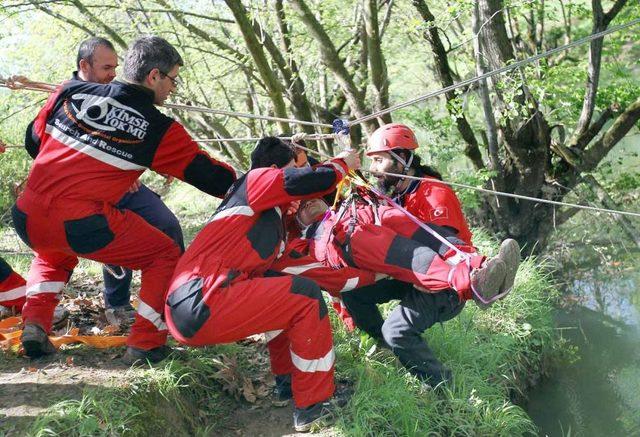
x,y
135,186
351,158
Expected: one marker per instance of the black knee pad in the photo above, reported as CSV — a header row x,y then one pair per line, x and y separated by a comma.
x,y
307,287
20,224
188,311
5,270
88,234
409,255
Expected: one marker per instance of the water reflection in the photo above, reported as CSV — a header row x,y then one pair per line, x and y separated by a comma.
x,y
599,393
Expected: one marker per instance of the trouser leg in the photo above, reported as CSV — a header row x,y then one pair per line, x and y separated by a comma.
x,y
383,250
151,208
403,330
49,273
199,314
109,236
362,303
12,287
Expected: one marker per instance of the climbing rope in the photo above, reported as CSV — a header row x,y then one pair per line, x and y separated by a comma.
x,y
495,72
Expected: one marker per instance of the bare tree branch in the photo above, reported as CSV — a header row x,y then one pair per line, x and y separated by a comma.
x,y
601,21
445,75
377,63
274,87
620,127
331,59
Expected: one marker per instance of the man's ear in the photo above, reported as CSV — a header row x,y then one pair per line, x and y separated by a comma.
x,y
83,65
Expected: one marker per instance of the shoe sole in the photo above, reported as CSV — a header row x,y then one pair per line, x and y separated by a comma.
x,y
35,349
510,255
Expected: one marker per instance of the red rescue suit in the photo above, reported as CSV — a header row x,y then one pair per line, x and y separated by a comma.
x,y
94,141
434,202
221,292
12,288
386,242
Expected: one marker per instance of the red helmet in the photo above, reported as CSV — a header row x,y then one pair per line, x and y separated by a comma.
x,y
391,136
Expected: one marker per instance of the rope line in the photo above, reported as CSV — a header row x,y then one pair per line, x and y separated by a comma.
x,y
309,137
504,194
495,72
243,115
47,87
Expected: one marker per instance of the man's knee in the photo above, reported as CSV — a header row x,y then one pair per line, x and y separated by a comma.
x,y
188,310
307,287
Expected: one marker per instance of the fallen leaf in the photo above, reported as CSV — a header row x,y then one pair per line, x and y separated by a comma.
x,y
69,361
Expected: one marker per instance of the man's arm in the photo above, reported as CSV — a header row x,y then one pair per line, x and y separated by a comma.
x,y
178,155
269,187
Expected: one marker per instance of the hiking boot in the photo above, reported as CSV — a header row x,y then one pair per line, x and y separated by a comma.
x,y
322,412
510,255
140,357
60,316
282,393
35,341
487,280
121,316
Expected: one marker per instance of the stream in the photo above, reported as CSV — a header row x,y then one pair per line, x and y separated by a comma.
x,y
596,390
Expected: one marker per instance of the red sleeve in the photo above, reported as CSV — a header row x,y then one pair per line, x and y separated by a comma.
x,y
179,155
270,187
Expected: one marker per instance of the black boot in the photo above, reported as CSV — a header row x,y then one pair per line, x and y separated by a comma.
x,y
282,393
35,341
136,356
321,412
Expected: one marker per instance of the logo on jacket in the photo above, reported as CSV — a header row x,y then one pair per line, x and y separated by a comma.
x,y
441,212
109,115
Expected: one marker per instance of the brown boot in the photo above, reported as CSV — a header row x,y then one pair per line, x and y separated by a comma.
x,y
510,255
486,281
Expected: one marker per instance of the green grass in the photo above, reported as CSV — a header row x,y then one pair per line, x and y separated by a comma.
x,y
493,354
179,398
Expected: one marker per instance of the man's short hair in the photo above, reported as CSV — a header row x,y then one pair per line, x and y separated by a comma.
x,y
147,53
88,48
270,151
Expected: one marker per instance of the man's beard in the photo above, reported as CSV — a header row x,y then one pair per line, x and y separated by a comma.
x,y
388,184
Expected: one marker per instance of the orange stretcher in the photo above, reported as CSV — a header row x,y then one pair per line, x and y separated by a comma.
x,y
10,337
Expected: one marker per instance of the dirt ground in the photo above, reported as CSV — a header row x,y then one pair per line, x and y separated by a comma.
x,y
28,387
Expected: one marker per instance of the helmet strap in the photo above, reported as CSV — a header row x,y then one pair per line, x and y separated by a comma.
x,y
405,164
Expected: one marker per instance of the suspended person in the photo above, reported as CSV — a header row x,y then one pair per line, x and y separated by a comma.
x,y
220,293
385,241
96,62
391,149
94,141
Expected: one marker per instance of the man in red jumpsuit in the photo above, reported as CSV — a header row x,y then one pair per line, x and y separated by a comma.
x,y
219,292
94,141
392,149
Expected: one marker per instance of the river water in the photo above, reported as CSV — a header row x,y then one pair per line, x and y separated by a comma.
x,y
596,390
